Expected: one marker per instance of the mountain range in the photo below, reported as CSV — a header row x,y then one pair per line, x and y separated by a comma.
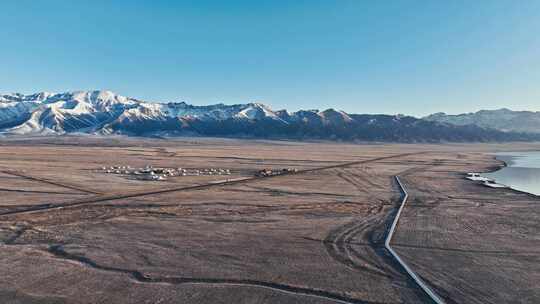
x,y
103,112
502,120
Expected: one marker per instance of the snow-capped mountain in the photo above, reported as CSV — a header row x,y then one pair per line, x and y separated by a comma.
x,y
104,112
501,119
61,113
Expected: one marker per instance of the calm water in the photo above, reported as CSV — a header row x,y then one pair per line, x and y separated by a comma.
x,y
522,172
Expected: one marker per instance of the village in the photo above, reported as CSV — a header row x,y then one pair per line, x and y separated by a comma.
x,y
152,173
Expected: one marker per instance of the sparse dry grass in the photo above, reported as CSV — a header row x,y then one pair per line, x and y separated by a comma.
x,y
314,237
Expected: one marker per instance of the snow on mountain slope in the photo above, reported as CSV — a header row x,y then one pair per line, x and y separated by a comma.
x,y
501,119
211,112
105,112
16,97
332,116
42,120
60,113
89,111
12,112
256,111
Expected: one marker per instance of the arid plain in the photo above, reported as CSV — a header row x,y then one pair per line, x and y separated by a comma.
x,y
70,233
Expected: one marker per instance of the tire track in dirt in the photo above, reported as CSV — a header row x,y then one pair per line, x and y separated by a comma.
x,y
59,252
286,192
39,192
46,181
366,179
494,252
339,245
351,181
176,154
18,233
363,184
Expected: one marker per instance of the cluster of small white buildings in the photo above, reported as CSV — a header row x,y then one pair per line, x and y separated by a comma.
x,y
154,173
117,169
270,172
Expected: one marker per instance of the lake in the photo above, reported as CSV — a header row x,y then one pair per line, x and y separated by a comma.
x,y
522,171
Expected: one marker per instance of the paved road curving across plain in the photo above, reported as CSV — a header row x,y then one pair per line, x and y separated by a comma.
x,y
411,273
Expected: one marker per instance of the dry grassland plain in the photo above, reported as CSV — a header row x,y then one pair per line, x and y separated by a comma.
x,y
70,233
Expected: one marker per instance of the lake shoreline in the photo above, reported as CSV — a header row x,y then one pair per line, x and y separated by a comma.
x,y
502,165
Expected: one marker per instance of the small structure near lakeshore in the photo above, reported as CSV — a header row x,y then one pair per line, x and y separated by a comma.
x,y
488,182
493,184
476,177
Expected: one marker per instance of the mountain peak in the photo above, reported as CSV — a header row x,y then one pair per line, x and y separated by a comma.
x,y
334,116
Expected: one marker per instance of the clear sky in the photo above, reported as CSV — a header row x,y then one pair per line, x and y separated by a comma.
x,y
412,57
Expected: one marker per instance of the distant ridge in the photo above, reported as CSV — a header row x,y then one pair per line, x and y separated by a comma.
x,y
104,112
501,119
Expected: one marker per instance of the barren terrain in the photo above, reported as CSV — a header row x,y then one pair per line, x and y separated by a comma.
x,y
71,234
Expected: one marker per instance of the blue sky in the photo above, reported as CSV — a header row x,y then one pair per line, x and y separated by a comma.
x,y
413,57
